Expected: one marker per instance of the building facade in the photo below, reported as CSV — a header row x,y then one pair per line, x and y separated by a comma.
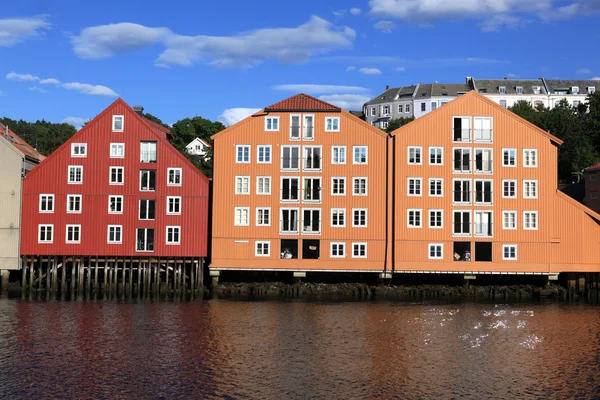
x,y
199,147
430,96
391,104
506,92
592,187
574,91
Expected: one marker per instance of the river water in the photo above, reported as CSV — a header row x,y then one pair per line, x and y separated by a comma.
x,y
298,350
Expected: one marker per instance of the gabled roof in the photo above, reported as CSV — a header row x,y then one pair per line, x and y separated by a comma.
x,y
20,144
302,102
491,86
564,84
441,89
158,128
201,141
392,94
591,168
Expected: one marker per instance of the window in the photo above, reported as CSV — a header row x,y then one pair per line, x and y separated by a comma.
x,y
575,90
338,250
462,160
173,176
530,220
45,233
373,111
263,249
75,174
289,189
46,203
443,103
509,157
407,108
116,175
242,152
242,216
338,217
173,234
436,156
414,155
359,250
359,186
414,186
264,154
78,149
509,189
73,234
462,129
242,185
509,220
594,195
271,124
117,123
338,154
483,191
332,124
311,190
503,103
536,89
359,217
173,205
436,251
400,108
436,187
117,150
576,103
115,204
289,220
115,234
483,223
483,129
519,89
311,220
509,251
145,239
263,216
530,189
414,218
386,110
309,127
290,158
148,180
147,209
312,158
263,185
148,152
338,186
591,90
461,223
502,90
436,219
433,105
294,127
73,203
360,154
483,161
529,158
423,107
462,191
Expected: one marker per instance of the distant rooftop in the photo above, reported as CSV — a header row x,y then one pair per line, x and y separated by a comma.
x,y
20,144
302,102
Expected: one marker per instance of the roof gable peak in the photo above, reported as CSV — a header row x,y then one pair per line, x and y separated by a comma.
x,y
302,102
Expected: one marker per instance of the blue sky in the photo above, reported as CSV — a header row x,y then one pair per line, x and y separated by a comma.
x,y
67,60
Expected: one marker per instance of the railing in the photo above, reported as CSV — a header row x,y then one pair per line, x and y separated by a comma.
x,y
289,226
462,135
483,166
462,165
309,132
483,197
312,162
312,227
295,132
483,229
461,228
290,163
461,196
145,245
483,135
148,156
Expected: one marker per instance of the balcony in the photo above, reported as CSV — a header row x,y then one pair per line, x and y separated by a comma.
x,y
462,135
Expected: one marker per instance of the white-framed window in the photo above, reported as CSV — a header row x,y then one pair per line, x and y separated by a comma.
x,y
148,151
46,203
295,126
530,159
272,124
483,129
509,189
311,220
461,129
73,203
591,89
289,220
413,218
115,204
509,220
575,90
73,234
263,154
338,186
385,109
338,154
502,89
530,220
483,191
423,107
263,216
174,176
242,185
338,250
242,216
509,158
462,160
148,180
360,154
436,187
461,223
373,111
263,185
311,158
262,248
483,222
503,104
338,217
359,186
413,186
290,156
461,191
519,89
117,150
147,209
530,189
117,175
311,190
400,110
436,156
436,219
483,161
308,129
290,187
433,105
45,233
407,108
332,124
75,174
436,251
78,149
414,155
173,235
359,217
173,205
114,234
359,250
118,123
242,154
145,239
509,251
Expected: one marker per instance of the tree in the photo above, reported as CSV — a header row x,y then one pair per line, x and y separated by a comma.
x,y
397,123
44,136
155,119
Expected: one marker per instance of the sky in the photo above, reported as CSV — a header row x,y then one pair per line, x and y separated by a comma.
x,y
67,60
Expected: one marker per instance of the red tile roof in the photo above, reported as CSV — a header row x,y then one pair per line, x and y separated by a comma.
x,y
205,142
161,130
20,144
302,102
593,167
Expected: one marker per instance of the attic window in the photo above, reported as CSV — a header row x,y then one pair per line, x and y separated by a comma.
x,y
117,123
519,89
575,90
502,89
482,90
591,90
536,89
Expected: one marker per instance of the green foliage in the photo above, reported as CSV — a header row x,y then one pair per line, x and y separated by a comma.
x,y
42,135
397,123
155,119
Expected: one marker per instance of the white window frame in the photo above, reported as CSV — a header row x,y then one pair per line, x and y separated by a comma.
x,y
261,244
148,151
432,180
491,139
264,147
360,179
360,211
470,225
243,147
435,149
74,196
504,183
110,175
76,228
239,188
272,119
337,211
525,158
341,179
430,220
173,242
312,210
80,146
299,194
418,184
312,180
264,179
115,227
420,151
416,211
332,125
305,127
176,202
69,181
483,181
470,191
147,216
526,194
260,219
299,159
491,161
46,241
514,216
359,244
514,246
175,169
295,232
519,90
292,116
505,150
471,160
338,246
470,129
501,89
114,118
400,108
146,230
311,149
44,198
149,173
436,246
359,162
122,204
491,222
241,211
116,147
338,149
525,219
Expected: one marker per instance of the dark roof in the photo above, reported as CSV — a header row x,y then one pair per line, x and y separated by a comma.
x,y
593,167
21,145
441,89
491,86
302,102
392,94
564,84
358,114
158,128
576,191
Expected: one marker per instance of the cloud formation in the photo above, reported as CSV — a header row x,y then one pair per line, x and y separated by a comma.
x,y
16,30
38,89
355,11
385,26
75,121
583,71
232,116
85,88
13,76
370,71
310,88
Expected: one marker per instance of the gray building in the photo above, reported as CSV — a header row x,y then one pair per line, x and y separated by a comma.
x,y
430,96
391,104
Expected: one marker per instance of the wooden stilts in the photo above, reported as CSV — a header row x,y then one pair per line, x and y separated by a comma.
x,y
81,265
54,274
23,276
95,287
167,275
48,274
137,291
104,277
63,277
30,278
130,277
40,275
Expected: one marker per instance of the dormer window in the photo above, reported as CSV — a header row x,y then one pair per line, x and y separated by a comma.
x,y
502,90
537,90
575,90
591,90
117,123
519,89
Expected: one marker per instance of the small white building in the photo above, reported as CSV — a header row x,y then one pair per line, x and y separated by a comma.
x,y
198,147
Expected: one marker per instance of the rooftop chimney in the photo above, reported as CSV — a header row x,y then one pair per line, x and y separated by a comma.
x,y
505,78
139,110
387,87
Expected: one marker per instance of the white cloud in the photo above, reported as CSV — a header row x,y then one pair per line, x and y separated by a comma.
x,y
286,45
13,76
310,88
370,71
355,11
596,78
75,121
50,81
339,13
400,69
497,22
346,101
94,90
16,30
385,26
512,75
350,68
583,71
38,89
233,115
409,63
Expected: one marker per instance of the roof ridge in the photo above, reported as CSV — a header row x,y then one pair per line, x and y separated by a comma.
x,y
298,102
